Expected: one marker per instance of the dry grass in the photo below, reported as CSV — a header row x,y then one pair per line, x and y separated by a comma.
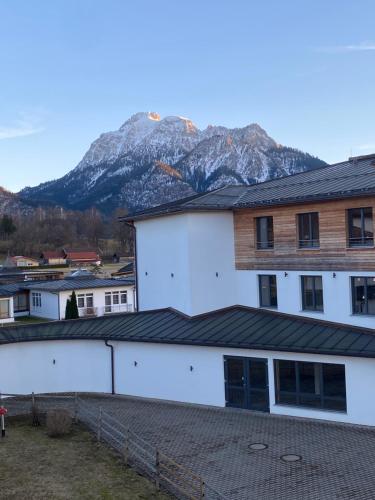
x,y
34,466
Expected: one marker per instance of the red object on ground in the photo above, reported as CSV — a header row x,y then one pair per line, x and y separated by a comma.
x,y
3,410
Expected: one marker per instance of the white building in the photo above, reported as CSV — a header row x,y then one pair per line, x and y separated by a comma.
x,y
273,294
95,296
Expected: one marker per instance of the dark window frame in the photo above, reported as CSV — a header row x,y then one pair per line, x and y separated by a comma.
x,y
298,394
269,244
311,242
365,312
268,276
362,241
314,307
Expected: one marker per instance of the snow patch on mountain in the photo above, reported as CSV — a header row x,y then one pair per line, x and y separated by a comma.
x,y
151,160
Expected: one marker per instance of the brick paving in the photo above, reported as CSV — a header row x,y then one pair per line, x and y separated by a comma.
x,y
338,461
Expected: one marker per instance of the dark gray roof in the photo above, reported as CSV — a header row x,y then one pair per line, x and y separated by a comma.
x,y
9,289
355,177
128,268
78,284
238,327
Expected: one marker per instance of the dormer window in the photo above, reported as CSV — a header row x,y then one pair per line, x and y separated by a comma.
x,y
264,228
360,227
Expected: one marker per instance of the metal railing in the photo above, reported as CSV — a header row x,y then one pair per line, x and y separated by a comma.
x,y
100,311
136,452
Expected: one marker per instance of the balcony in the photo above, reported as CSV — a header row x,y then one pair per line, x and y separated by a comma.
x,y
86,312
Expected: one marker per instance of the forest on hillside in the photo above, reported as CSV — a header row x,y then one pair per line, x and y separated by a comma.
x,y
56,228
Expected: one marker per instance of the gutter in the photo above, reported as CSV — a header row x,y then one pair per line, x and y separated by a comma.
x,y
112,367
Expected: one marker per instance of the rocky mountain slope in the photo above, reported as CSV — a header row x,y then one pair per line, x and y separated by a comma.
x,y
150,160
11,204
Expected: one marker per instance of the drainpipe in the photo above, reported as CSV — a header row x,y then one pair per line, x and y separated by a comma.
x,y
132,226
112,366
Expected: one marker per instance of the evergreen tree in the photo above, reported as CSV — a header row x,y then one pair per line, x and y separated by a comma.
x,y
7,227
68,309
73,306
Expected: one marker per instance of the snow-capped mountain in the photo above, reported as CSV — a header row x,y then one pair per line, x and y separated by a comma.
x,y
150,160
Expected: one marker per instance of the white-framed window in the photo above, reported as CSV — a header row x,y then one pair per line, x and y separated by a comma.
x,y
85,300
114,300
36,299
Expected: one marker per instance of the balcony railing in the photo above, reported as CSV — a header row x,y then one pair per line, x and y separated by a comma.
x,y
85,312
118,308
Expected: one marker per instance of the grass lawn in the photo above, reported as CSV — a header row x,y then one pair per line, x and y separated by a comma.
x,y
35,466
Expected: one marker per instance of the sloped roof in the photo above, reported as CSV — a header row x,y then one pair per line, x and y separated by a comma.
x,y
78,283
81,255
235,327
355,177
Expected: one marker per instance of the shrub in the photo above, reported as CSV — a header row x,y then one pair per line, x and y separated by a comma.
x,y
59,422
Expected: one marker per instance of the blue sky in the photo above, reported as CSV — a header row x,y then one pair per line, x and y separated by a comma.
x,y
72,69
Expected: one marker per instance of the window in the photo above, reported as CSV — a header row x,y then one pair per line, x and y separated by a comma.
x,y
360,227
267,290
36,299
312,385
20,303
85,300
363,295
308,230
264,232
115,301
4,308
312,293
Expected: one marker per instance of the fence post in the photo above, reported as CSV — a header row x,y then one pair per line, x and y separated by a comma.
x,y
202,489
126,448
75,407
157,467
99,431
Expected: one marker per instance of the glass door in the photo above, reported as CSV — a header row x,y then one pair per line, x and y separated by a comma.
x,y
235,382
246,383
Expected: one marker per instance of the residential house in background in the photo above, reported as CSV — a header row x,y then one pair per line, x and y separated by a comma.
x,y
20,261
11,275
76,257
19,298
6,306
95,296
53,258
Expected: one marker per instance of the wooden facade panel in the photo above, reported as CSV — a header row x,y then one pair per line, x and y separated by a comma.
x,y
333,253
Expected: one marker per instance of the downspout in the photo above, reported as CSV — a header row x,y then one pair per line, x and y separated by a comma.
x,y
112,366
132,226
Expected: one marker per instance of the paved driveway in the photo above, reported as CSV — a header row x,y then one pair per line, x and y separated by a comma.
x,y
338,461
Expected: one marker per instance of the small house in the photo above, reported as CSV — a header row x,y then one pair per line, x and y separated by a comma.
x,y
95,296
74,257
52,258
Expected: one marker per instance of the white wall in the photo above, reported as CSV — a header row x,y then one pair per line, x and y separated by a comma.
x,y
196,246
163,371
337,295
49,306
193,247
54,305
79,366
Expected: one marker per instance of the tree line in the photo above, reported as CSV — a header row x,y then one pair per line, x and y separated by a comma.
x,y
55,228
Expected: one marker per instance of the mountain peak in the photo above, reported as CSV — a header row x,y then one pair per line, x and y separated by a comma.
x,y
141,117
151,160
